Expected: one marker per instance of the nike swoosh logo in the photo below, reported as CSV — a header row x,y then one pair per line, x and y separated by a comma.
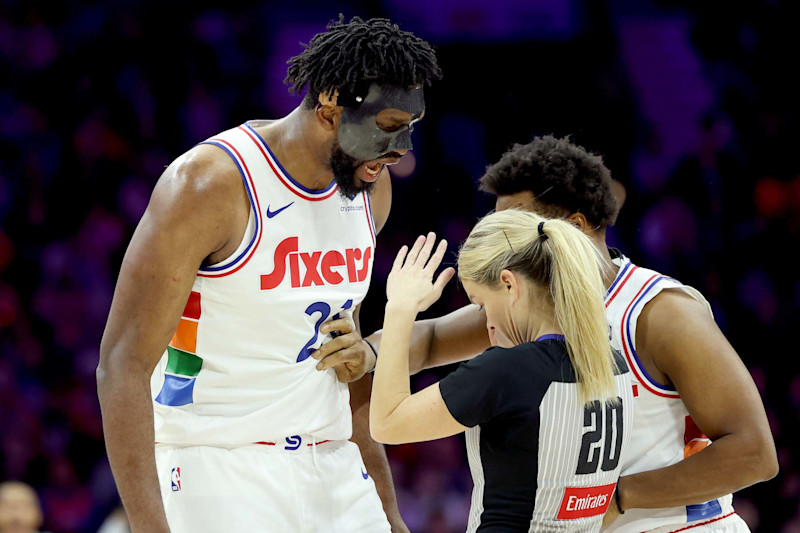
x,y
364,474
271,214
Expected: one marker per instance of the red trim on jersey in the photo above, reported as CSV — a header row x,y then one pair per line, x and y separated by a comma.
x,y
631,362
257,207
273,444
703,523
278,173
624,281
368,211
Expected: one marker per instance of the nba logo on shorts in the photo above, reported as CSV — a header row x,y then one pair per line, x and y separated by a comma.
x,y
175,477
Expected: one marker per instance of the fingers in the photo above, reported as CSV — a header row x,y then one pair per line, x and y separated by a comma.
x,y
398,260
338,358
347,373
342,325
437,288
334,345
444,276
425,252
342,374
415,250
437,257
348,364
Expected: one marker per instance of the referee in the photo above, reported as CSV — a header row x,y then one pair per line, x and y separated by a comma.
x,y
547,410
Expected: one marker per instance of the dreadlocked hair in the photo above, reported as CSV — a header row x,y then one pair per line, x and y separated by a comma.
x,y
349,54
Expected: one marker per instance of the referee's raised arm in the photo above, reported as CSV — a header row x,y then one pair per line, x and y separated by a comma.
x,y
454,337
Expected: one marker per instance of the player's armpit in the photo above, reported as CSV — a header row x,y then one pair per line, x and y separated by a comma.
x,y
678,334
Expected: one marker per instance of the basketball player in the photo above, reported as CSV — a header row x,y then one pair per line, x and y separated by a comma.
x,y
700,430
547,411
251,241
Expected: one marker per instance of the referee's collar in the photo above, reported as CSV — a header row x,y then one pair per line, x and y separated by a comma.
x,y
551,336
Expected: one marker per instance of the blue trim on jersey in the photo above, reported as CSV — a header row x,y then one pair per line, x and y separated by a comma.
x,y
252,206
551,336
619,277
630,344
176,391
369,210
288,176
703,510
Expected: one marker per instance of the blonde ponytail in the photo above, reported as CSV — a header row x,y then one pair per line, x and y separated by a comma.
x,y
558,255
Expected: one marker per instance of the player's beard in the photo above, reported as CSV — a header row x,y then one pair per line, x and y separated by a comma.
x,y
344,172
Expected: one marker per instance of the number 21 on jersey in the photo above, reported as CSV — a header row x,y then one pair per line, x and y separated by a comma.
x,y
324,311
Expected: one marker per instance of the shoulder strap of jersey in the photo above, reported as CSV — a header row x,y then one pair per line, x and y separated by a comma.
x,y
647,285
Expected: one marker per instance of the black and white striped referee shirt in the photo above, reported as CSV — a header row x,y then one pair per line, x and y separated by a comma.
x,y
540,460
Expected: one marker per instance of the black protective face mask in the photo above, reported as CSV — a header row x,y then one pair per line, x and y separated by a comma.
x,y
359,134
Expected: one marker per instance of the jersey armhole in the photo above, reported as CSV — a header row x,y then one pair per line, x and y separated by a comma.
x,y
252,232
628,334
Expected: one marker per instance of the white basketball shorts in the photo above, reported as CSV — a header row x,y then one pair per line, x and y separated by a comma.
x,y
282,487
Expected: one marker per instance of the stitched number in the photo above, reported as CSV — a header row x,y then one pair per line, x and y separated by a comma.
x,y
613,425
324,311
602,437
589,458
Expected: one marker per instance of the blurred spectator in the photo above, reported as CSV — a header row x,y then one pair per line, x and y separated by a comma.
x,y
117,522
20,511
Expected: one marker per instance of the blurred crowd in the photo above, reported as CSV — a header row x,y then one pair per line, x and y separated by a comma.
x,y
693,108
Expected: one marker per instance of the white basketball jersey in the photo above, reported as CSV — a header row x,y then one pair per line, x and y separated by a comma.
x,y
663,432
237,370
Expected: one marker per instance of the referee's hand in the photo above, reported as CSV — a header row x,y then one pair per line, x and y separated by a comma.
x,y
347,353
410,285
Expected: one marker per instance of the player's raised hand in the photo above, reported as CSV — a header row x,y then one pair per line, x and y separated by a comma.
x,y
410,285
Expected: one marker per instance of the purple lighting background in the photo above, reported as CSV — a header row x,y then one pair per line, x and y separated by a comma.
x,y
693,105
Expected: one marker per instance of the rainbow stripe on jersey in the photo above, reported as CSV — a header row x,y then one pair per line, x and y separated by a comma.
x,y
183,364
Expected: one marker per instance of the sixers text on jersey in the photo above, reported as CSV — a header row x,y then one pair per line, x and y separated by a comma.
x,y
318,267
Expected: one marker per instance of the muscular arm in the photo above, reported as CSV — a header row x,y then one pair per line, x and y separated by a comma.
x,y
680,337
454,337
183,224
